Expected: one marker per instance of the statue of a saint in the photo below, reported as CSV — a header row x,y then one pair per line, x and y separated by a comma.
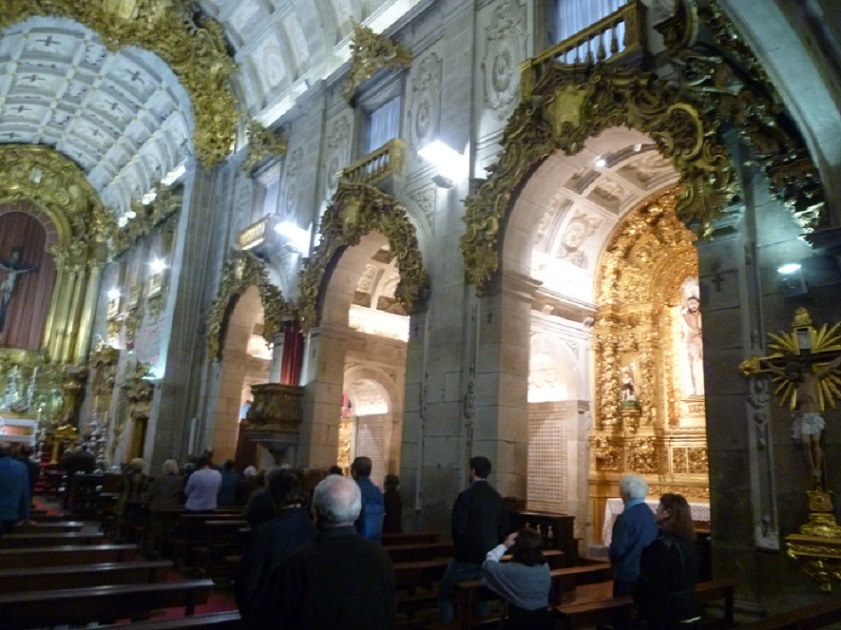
x,y
14,268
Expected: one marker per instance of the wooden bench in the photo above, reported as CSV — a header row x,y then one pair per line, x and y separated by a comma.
x,y
221,539
420,551
79,575
60,539
471,592
410,538
599,608
48,527
78,606
815,616
191,531
228,620
72,554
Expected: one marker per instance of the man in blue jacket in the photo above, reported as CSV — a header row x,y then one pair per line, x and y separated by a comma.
x,y
633,530
370,521
14,490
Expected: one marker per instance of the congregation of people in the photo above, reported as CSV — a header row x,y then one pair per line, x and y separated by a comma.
x,y
318,539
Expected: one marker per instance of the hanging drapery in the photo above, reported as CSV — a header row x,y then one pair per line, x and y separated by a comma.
x,y
573,16
293,354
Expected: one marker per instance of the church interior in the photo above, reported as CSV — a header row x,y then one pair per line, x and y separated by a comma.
x,y
582,238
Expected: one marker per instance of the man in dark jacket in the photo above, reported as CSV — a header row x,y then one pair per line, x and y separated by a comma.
x,y
633,531
479,523
340,581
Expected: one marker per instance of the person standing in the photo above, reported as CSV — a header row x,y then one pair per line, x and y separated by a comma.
x,y
164,503
479,523
271,542
339,581
665,590
393,501
230,480
202,487
370,521
14,490
633,530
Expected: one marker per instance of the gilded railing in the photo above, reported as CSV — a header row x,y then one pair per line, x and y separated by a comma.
x,y
256,233
377,165
617,36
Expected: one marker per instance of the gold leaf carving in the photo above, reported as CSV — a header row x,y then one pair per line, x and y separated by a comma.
x,y
356,210
371,52
242,270
566,106
262,144
191,44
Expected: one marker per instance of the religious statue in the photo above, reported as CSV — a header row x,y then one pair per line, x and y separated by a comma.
x,y
693,346
629,393
14,268
808,423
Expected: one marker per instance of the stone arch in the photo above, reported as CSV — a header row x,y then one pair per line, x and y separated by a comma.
x,y
241,271
356,210
192,45
562,109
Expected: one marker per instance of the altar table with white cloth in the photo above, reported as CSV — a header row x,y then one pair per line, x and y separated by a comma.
x,y
614,507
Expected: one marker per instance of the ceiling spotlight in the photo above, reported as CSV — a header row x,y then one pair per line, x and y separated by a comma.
x,y
113,294
158,265
637,147
600,162
297,237
446,160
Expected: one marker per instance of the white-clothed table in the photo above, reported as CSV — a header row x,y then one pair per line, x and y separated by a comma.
x,y
614,507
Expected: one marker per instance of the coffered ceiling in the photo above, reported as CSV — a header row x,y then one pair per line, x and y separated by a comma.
x,y
121,116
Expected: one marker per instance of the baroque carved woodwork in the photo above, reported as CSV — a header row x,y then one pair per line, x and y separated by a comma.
x,y
644,422
564,106
191,44
242,270
370,52
356,210
720,75
263,144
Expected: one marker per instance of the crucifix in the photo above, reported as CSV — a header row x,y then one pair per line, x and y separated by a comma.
x,y
804,369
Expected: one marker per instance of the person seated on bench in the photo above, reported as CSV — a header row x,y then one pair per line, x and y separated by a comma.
x,y
524,582
665,589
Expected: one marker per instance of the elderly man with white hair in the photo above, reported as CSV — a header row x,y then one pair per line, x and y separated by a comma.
x,y
339,581
633,530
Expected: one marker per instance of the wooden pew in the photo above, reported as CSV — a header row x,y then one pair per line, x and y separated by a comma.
x,y
78,606
817,615
420,551
62,556
470,592
48,527
221,538
410,538
60,539
191,531
225,620
604,609
76,576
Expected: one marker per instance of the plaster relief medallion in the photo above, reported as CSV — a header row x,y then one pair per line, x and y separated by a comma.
x,y
300,49
425,198
338,151
293,175
94,54
425,110
505,45
574,236
273,66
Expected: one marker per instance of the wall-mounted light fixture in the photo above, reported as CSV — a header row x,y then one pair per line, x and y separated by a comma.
x,y
446,160
113,294
792,283
296,237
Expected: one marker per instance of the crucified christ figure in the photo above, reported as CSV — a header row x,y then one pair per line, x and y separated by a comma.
x,y
14,269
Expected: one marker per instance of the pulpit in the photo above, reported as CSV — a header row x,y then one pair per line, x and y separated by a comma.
x,y
274,418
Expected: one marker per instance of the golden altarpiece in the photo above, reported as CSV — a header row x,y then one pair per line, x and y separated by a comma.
x,y
649,405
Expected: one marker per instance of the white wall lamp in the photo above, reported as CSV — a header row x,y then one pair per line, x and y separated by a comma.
x,y
446,160
792,283
296,237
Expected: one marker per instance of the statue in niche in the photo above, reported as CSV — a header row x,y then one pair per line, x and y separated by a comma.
x,y
13,268
629,388
692,351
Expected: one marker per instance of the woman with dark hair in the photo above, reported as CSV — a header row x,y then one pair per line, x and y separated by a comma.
x,y
665,590
524,582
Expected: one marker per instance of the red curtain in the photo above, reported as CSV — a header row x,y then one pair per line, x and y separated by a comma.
x,y
293,354
29,305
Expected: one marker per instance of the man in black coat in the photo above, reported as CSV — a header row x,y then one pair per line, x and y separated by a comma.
x,y
479,523
340,581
